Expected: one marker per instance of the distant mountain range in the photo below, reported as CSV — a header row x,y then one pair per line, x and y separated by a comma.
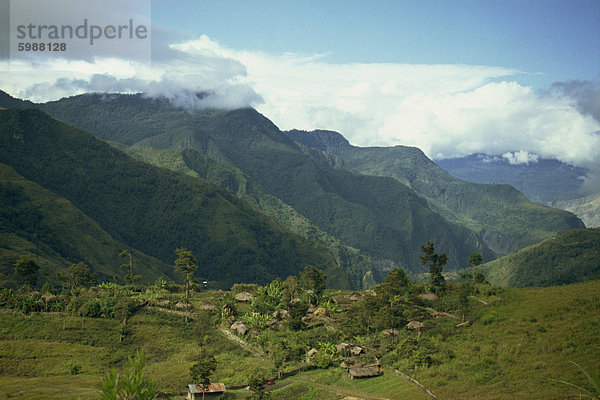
x,y
542,180
369,208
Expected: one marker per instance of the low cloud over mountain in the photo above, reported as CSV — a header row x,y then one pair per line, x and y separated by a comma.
x,y
446,110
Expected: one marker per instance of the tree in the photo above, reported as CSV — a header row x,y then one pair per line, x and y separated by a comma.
x,y
186,263
204,368
291,287
76,276
463,297
27,268
296,310
396,283
312,279
130,277
436,278
475,259
257,385
131,385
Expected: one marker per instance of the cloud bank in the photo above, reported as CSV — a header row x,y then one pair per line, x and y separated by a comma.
x,y
446,110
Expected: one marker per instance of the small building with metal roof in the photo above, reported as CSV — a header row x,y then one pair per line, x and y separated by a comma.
x,y
210,391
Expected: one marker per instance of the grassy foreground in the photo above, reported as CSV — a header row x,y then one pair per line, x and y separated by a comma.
x,y
520,344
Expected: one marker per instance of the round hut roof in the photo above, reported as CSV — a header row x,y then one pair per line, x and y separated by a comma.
x,y
415,325
244,296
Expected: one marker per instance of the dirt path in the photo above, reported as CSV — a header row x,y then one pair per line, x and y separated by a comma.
x,y
242,343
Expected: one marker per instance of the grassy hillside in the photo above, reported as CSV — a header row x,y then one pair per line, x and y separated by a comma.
x,y
38,223
571,256
382,218
154,210
520,344
500,214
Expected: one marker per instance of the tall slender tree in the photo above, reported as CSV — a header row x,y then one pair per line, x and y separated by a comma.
x,y
130,277
437,261
186,263
475,259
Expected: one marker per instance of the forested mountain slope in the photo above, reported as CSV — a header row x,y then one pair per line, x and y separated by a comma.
x,y
379,216
154,210
503,217
358,266
49,228
569,257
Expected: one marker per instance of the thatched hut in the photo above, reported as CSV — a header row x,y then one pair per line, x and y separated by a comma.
x,y
239,327
355,297
208,307
415,325
429,296
244,297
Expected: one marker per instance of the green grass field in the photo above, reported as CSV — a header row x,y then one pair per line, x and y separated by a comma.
x,y
521,343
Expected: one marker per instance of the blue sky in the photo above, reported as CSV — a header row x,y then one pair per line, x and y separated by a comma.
x,y
517,79
548,40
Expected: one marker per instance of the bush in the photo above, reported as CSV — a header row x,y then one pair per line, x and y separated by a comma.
x,y
91,309
321,360
74,367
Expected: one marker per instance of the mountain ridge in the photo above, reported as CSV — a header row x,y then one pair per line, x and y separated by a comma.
x,y
384,208
496,212
155,210
247,140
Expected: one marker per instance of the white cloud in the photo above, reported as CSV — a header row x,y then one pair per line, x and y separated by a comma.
x,y
446,110
520,157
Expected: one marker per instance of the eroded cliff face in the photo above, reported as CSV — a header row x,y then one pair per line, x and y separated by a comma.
x,y
499,243
587,208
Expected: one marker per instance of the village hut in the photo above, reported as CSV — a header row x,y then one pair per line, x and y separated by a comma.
x,y
342,347
210,391
356,350
48,297
181,304
208,307
429,296
355,297
239,327
244,297
280,314
312,352
364,372
415,325
320,312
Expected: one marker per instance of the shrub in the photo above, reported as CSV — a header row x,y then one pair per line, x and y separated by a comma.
x,y
74,367
321,360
